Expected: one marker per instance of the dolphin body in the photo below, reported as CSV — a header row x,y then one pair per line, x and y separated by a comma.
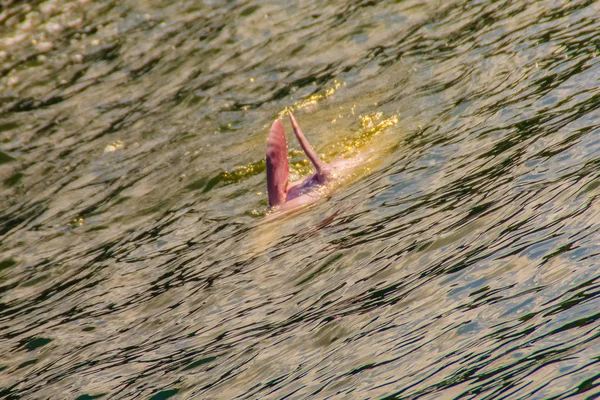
x,y
284,196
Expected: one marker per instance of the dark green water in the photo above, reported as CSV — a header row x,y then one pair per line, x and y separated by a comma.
x,y
462,261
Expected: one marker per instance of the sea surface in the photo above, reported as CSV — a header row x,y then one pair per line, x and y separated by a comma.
x,y
138,257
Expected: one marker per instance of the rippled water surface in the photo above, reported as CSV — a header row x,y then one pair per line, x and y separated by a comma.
x,y
137,257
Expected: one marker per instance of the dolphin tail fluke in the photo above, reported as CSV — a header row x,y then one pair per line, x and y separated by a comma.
x,y
321,167
277,165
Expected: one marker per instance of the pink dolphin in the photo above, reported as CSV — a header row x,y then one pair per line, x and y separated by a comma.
x,y
286,196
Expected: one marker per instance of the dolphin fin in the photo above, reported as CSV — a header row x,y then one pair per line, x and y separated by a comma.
x,y
277,165
322,168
